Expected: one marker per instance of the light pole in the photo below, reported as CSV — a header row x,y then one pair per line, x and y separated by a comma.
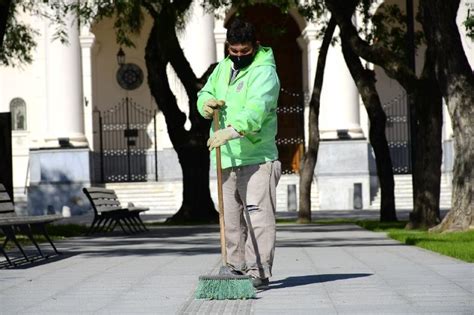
x,y
121,57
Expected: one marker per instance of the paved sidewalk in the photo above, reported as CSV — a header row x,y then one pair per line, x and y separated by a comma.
x,y
340,269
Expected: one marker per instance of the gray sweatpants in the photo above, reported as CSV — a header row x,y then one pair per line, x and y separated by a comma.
x,y
250,233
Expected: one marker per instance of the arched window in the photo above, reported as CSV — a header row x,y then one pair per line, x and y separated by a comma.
x,y
18,112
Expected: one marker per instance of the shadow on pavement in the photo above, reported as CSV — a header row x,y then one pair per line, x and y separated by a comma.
x,y
34,260
310,279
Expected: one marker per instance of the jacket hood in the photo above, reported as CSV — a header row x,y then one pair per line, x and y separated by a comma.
x,y
263,57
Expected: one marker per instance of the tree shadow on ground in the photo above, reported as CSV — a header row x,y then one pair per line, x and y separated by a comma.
x,y
296,281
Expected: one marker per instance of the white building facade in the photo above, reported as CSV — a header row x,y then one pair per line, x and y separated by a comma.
x,y
76,114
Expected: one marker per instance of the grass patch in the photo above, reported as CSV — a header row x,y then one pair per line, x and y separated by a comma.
x,y
458,245
320,221
377,226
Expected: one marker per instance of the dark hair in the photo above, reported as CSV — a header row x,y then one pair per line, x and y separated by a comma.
x,y
240,32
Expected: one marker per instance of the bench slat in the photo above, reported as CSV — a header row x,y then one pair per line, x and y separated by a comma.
x,y
99,190
19,220
7,206
102,196
7,214
102,202
109,208
4,196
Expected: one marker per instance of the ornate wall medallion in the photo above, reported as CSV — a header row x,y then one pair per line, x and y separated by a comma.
x,y
130,76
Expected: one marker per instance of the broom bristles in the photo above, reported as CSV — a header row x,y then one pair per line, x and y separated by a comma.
x,y
221,287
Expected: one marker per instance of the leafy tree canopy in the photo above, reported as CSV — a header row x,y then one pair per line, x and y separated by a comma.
x,y
385,26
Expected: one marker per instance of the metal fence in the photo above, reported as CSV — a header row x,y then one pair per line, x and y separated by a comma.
x,y
128,147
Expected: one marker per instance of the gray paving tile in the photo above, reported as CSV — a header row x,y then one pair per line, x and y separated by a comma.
x,y
318,270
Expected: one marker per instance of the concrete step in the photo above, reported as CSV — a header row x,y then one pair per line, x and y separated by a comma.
x,y
404,193
166,197
283,190
160,197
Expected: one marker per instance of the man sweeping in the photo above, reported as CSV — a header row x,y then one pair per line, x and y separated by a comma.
x,y
244,89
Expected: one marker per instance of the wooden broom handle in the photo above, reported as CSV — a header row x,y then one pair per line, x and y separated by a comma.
x,y
220,197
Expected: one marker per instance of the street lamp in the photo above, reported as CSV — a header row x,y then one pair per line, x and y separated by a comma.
x,y
121,57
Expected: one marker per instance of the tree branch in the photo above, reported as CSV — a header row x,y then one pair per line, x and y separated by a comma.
x,y
180,64
395,67
311,155
151,10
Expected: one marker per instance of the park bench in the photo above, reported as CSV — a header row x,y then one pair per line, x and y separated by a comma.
x,y
108,212
11,224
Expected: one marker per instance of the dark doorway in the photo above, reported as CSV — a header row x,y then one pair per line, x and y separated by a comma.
x,y
6,161
280,32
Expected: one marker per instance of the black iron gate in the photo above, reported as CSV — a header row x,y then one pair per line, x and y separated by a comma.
x,y
397,132
128,151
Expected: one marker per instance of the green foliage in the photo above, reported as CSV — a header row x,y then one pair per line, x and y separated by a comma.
x,y
128,20
469,24
239,5
377,226
459,245
18,42
388,29
128,16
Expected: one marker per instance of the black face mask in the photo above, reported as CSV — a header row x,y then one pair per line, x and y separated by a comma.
x,y
241,61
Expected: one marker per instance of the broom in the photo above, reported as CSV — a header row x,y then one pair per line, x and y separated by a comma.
x,y
225,285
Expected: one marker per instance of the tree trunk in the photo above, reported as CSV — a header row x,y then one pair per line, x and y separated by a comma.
x,y
365,81
5,7
427,169
427,200
190,145
311,155
456,82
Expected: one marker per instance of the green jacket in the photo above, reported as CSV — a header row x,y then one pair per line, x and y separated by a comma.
x,y
250,107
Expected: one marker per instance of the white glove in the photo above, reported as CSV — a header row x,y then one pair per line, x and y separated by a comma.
x,y
221,136
210,106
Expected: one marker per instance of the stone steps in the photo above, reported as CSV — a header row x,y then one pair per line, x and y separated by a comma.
x,y
404,194
166,197
160,197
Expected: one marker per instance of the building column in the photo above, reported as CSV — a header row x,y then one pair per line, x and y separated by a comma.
x,y
64,88
198,42
87,41
220,34
60,169
309,45
339,113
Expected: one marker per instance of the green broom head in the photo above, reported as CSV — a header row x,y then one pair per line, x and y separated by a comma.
x,y
225,287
